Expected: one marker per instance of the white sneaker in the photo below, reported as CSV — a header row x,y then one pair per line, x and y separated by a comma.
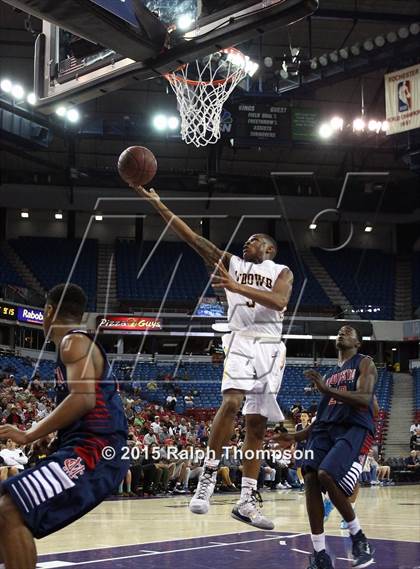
x,y
249,512
280,486
200,502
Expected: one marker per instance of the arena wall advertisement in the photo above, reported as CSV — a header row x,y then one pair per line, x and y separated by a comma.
x,y
402,97
128,323
30,315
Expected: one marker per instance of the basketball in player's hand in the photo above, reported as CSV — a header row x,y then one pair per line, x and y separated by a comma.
x,y
137,165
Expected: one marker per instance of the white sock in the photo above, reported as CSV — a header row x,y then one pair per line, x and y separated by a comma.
x,y
247,486
211,463
318,542
354,526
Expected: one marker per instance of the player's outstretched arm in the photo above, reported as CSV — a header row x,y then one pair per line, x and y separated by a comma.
x,y
210,253
76,356
364,393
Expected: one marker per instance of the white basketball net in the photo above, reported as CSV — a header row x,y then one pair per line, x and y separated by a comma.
x,y
201,100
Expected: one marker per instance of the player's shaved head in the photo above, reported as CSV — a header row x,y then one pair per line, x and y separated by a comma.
x,y
348,337
259,247
270,241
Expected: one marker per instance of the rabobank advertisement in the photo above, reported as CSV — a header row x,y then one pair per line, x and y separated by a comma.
x,y
30,315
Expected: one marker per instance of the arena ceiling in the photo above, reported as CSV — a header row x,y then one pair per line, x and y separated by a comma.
x,y
88,159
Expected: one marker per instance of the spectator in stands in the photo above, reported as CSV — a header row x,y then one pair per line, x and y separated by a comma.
x,y
136,468
14,418
223,472
36,387
414,427
292,479
278,479
413,461
129,411
151,473
194,467
14,456
281,474
24,382
304,422
169,470
163,434
183,428
234,473
384,470
202,433
189,401
156,426
180,476
38,451
267,474
415,440
137,405
41,409
171,402
150,438
6,470
370,468
295,410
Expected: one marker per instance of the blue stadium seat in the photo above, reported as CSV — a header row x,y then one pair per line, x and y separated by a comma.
x,y
8,275
366,277
51,260
188,282
21,367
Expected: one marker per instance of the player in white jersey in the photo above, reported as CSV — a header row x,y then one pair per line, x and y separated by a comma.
x,y
258,291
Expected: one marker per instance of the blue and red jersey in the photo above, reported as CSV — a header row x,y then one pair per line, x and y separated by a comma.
x,y
105,424
345,378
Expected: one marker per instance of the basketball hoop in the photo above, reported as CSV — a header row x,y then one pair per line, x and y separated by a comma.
x,y
201,100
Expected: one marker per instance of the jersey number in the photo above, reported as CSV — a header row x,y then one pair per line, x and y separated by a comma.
x,y
251,304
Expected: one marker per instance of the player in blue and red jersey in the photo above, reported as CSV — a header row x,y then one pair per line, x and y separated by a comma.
x,y
89,418
344,420
337,438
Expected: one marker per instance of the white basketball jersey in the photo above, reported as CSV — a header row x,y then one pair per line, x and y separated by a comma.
x,y
243,314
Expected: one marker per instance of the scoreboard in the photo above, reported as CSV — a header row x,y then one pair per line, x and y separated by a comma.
x,y
8,311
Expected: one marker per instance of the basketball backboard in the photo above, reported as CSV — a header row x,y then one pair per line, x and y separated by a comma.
x,y
76,68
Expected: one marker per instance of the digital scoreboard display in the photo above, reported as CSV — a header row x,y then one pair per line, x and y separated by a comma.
x,y
8,311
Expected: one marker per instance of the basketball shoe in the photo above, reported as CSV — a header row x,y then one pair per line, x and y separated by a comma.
x,y
361,550
200,502
320,560
249,512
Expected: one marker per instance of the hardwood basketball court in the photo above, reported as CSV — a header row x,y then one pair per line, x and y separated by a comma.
x,y
161,532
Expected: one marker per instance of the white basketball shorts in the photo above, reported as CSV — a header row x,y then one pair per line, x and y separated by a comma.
x,y
255,365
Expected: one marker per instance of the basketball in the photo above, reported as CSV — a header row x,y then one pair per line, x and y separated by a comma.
x,y
137,165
